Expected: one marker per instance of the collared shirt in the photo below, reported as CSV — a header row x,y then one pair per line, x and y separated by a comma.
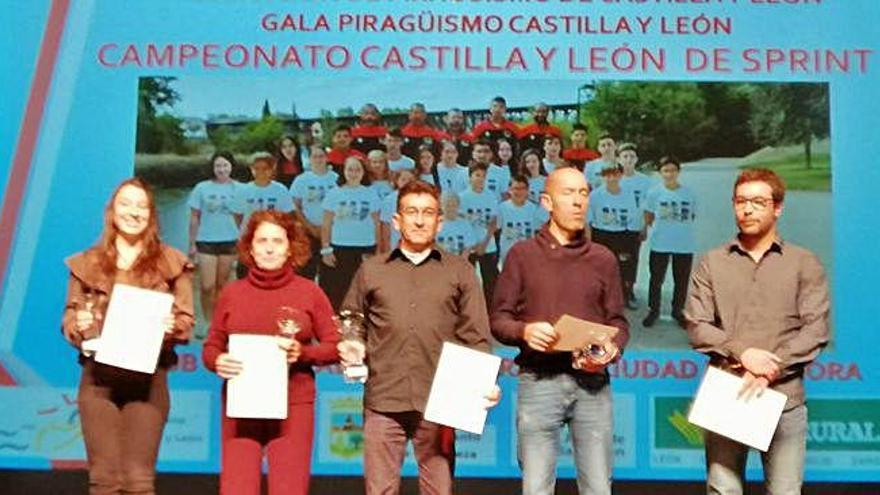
x,y
409,311
779,304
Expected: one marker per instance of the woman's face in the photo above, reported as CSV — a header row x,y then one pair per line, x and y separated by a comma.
x,y
354,171
533,165
505,151
131,210
552,147
404,177
288,149
270,246
318,159
222,169
426,162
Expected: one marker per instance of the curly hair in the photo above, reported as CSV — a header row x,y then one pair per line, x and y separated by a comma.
x,y
299,250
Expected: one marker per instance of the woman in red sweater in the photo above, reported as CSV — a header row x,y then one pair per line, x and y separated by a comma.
x,y
272,246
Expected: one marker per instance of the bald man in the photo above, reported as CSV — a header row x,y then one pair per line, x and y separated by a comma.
x,y
560,272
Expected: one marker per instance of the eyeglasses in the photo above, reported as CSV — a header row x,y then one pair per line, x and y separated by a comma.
x,y
758,203
414,212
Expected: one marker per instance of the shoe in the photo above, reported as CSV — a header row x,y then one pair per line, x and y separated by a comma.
x,y
650,319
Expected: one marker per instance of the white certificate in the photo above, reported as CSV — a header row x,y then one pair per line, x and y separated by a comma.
x,y
260,390
751,422
133,330
462,380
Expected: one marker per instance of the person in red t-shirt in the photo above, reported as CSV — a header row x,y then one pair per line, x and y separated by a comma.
x,y
457,134
369,132
497,127
341,149
417,132
532,136
579,154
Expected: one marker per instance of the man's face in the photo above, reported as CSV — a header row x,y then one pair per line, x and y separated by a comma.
x,y
567,199
478,180
669,173
497,110
756,212
418,220
393,143
519,192
628,160
579,137
540,114
612,178
607,147
552,147
341,139
369,116
455,120
417,116
482,154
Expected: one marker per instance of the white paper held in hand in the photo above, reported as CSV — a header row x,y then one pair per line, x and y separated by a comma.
x,y
260,390
462,380
133,328
751,422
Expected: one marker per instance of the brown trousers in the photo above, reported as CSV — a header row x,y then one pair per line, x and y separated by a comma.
x,y
385,437
122,414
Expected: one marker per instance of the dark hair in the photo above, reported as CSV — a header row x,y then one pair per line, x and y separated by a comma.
x,y
365,179
767,176
340,128
499,99
522,179
417,187
523,170
612,170
579,127
497,160
605,135
395,132
669,160
146,265
549,138
221,154
300,246
473,167
485,142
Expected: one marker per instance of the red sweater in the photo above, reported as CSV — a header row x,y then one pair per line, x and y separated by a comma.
x,y
249,305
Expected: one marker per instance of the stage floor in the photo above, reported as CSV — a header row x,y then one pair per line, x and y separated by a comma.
x,y
74,483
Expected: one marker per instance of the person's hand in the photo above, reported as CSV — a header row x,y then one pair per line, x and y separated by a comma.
x,y
329,260
168,324
351,352
480,249
292,347
493,397
593,363
83,321
761,363
227,366
540,335
754,386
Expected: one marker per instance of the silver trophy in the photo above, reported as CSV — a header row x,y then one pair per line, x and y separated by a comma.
x,y
350,325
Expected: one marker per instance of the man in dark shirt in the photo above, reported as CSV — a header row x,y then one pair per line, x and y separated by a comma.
x,y
457,133
531,137
369,132
417,132
413,300
341,149
561,272
759,308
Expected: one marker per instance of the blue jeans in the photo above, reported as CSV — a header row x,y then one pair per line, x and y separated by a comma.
x,y
545,403
783,462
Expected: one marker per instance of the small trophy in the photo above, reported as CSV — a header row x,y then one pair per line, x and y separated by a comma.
x,y
350,325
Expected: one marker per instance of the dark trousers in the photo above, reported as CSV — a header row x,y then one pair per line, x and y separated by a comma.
x,y
488,272
310,269
288,448
335,280
681,272
122,414
385,437
625,246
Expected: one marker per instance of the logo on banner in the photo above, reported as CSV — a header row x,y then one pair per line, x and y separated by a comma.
x,y
346,427
671,427
843,425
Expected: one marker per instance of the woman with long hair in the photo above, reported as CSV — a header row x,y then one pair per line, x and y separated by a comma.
x,y
273,246
350,229
213,229
532,168
426,168
123,412
289,162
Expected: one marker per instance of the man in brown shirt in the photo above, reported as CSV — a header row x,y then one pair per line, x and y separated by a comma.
x,y
413,300
759,307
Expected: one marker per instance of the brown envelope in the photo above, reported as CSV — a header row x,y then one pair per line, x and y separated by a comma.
x,y
575,333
